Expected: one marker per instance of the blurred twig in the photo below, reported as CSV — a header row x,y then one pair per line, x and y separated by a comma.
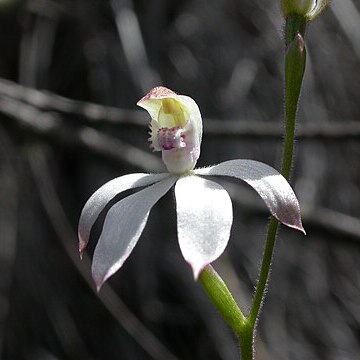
x,y
348,16
92,114
133,45
51,126
109,298
329,221
333,222
8,223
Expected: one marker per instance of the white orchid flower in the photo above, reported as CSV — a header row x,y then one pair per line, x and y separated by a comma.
x,y
204,208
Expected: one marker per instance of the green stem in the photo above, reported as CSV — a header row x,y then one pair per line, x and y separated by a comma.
x,y
221,297
244,327
264,272
246,342
295,61
294,24
295,58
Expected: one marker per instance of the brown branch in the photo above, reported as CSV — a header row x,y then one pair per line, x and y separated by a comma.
x,y
9,189
93,114
51,126
90,112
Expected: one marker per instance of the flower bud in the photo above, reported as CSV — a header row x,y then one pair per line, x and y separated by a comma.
x,y
299,7
309,9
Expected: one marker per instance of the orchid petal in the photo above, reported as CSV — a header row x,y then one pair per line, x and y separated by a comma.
x,y
103,195
204,219
270,185
123,226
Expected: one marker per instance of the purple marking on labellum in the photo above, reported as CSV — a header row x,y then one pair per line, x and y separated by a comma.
x,y
171,138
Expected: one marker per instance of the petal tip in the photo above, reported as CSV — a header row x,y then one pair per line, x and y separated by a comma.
x,y
82,245
296,225
81,249
290,215
157,92
301,228
99,281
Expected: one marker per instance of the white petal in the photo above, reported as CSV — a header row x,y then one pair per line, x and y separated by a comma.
x,y
123,226
271,186
204,219
103,195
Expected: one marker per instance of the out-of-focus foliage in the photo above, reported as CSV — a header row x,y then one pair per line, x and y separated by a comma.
x,y
228,56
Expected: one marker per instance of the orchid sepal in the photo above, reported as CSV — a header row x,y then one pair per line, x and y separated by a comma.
x,y
204,219
123,225
269,184
101,197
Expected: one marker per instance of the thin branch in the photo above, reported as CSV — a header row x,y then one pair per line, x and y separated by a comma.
x,y
93,114
348,17
90,112
9,189
52,126
127,23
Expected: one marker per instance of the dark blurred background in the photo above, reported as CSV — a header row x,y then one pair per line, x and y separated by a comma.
x,y
71,72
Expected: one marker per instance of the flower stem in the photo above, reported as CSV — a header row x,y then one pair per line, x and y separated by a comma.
x,y
221,297
295,59
244,327
246,341
264,272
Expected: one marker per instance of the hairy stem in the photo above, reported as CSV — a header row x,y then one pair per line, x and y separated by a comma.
x,y
221,297
244,327
295,59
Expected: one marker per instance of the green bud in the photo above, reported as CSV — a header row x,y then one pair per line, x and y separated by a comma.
x,y
309,9
299,7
